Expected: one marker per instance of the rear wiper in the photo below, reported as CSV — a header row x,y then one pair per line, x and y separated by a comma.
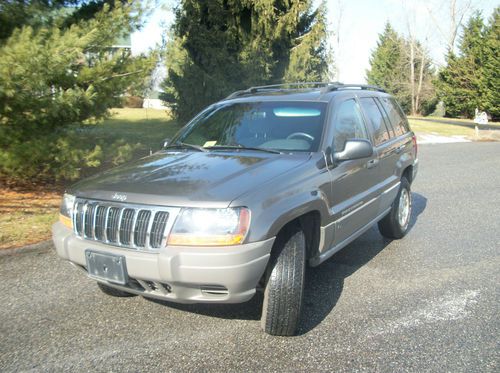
x,y
185,145
241,147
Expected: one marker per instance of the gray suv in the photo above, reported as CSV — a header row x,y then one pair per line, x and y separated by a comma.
x,y
248,193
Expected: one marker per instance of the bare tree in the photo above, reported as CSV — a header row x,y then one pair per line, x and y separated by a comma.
x,y
417,57
456,14
420,78
337,26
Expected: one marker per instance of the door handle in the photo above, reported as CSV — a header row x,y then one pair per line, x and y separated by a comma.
x,y
400,148
372,163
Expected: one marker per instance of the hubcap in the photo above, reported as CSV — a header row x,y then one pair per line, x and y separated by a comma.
x,y
404,209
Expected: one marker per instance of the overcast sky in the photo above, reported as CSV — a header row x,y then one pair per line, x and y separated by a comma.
x,y
360,23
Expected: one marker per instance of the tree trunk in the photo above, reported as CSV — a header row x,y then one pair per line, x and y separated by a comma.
x,y
420,80
412,76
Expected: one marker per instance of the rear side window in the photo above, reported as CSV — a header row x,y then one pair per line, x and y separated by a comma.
x,y
380,132
348,124
395,115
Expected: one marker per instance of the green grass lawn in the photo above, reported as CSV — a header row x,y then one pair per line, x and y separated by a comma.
x,y
149,127
437,128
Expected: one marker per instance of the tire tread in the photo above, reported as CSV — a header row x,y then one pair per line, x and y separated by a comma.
x,y
285,286
389,225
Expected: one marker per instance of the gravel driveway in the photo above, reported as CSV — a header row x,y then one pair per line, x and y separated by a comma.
x,y
429,302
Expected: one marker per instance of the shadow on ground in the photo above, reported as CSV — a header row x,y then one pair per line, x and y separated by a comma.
x,y
324,284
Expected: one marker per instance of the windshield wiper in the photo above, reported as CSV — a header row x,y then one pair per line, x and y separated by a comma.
x,y
185,145
241,147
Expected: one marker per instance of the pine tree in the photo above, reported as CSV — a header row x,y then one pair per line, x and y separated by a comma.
x,y
461,85
471,79
52,77
221,46
491,65
390,69
387,62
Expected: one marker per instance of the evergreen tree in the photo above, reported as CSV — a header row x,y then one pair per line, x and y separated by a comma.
x,y
37,13
390,69
460,85
53,76
221,46
471,78
387,62
491,66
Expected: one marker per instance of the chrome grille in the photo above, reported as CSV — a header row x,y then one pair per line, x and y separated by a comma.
x,y
158,228
112,221
141,226
88,219
100,221
124,225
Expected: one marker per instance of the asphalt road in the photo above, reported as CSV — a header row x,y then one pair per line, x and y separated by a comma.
x,y
429,302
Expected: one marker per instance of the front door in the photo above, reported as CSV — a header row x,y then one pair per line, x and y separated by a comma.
x,y
354,194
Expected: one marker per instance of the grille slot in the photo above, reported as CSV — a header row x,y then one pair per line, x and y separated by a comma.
x,y
141,226
113,220
124,225
100,222
88,221
158,228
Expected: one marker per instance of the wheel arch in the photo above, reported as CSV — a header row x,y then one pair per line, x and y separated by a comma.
x,y
310,223
408,173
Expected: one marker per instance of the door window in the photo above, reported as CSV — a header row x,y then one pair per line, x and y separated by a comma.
x,y
348,124
396,117
380,131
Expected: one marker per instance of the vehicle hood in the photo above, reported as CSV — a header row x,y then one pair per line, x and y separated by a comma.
x,y
173,178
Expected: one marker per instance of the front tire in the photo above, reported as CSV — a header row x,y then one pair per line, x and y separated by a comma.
x,y
108,290
395,224
285,283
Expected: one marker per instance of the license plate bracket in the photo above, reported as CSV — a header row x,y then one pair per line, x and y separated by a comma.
x,y
105,266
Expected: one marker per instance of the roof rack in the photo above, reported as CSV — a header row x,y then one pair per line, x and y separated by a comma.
x,y
279,87
326,87
341,86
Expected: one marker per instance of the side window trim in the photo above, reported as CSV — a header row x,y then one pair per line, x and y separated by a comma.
x,y
372,129
335,113
388,125
404,125
398,107
368,127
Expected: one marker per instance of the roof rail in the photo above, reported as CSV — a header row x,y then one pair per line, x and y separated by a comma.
x,y
279,87
326,87
341,86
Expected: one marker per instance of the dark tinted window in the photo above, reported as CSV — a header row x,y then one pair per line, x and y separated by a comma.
x,y
396,118
380,133
348,124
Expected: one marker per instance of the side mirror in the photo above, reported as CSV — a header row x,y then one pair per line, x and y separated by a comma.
x,y
354,149
165,142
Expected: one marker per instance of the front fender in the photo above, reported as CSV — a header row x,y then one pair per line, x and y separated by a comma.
x,y
276,211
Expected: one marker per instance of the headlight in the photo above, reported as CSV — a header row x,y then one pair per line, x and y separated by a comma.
x,y
210,227
66,211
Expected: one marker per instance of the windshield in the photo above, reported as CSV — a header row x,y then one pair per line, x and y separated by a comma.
x,y
283,126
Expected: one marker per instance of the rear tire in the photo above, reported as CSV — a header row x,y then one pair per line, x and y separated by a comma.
x,y
285,283
108,290
395,224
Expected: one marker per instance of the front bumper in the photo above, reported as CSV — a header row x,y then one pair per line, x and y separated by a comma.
x,y
226,274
